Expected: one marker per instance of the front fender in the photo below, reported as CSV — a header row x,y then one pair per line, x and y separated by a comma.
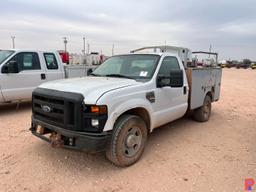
x,y
128,105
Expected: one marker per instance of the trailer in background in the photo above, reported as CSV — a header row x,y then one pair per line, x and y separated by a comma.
x,y
64,56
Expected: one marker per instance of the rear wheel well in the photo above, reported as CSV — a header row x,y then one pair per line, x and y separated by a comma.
x,y
142,113
210,94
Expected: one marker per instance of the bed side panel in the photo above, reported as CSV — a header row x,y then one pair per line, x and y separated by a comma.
x,y
202,81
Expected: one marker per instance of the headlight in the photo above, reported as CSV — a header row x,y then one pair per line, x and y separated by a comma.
x,y
95,122
94,117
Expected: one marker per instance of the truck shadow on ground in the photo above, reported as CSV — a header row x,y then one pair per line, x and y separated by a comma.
x,y
82,162
11,108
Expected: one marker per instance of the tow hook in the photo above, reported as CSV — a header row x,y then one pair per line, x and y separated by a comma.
x,y
56,141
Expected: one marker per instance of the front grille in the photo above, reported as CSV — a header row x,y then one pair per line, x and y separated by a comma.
x,y
57,108
65,108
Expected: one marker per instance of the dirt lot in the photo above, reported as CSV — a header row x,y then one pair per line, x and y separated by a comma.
x,y
181,156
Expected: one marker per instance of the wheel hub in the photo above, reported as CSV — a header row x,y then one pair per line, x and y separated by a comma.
x,y
132,142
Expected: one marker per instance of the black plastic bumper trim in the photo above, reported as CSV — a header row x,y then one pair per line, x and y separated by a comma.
x,y
89,142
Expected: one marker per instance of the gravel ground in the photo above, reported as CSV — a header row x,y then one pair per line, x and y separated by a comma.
x,y
181,156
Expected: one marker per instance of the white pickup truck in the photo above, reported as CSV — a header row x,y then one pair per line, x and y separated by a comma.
x,y
122,101
21,71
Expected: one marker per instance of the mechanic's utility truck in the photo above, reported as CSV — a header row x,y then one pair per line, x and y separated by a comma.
x,y
123,101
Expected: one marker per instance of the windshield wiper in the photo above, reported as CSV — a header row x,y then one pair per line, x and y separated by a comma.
x,y
118,75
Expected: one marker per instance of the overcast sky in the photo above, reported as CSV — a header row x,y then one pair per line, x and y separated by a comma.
x,y
229,25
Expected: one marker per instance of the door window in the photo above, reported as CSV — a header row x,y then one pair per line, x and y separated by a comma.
x,y
50,60
27,61
168,64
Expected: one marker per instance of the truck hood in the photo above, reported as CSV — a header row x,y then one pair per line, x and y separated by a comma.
x,y
92,88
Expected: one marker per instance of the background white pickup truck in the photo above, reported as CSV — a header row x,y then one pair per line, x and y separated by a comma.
x,y
122,101
21,71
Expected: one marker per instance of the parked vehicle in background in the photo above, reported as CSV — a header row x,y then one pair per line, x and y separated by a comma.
x,y
204,59
94,58
229,64
246,63
124,99
233,63
222,63
253,65
64,56
21,71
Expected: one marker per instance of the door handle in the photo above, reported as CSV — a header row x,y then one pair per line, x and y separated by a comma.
x,y
43,76
185,90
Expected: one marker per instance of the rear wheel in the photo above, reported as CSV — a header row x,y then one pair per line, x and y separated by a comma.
x,y
203,113
128,141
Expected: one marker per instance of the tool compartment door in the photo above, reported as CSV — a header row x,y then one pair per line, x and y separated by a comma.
x,y
201,81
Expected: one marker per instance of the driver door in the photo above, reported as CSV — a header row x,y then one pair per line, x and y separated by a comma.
x,y
17,86
170,102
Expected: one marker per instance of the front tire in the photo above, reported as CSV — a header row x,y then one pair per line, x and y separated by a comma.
x,y
202,114
128,140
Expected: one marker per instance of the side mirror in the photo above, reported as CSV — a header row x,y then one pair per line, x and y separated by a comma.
x,y
162,81
176,78
89,71
11,67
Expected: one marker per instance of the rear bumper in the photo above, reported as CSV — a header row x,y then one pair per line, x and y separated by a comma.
x,y
89,142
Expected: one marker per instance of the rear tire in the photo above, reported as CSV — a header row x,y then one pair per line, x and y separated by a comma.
x,y
128,141
203,113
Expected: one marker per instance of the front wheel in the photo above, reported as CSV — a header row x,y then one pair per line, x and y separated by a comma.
x,y
128,141
203,113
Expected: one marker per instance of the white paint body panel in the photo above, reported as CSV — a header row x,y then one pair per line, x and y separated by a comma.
x,y
121,94
92,88
204,80
19,86
72,71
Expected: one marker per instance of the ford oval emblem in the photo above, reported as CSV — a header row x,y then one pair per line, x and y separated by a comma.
x,y
46,108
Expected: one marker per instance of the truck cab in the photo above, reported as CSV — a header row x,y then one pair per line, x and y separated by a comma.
x,y
21,71
121,102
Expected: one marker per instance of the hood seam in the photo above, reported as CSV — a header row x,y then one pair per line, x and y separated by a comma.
x,y
111,90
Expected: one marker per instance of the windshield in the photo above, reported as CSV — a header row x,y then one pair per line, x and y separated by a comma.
x,y
128,66
4,54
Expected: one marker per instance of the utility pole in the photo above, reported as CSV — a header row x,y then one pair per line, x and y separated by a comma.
x,y
88,48
13,43
65,43
210,50
113,47
84,45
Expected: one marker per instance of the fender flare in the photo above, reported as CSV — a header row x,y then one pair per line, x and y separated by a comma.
x,y
126,106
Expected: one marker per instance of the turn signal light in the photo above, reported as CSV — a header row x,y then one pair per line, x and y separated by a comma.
x,y
99,109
